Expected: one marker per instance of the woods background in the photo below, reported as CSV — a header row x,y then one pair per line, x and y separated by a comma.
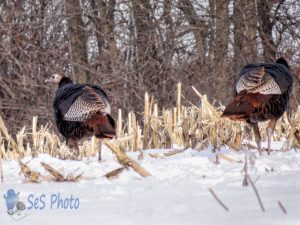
x,y
132,46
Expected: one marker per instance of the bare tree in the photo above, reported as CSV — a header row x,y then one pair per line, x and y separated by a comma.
x,y
266,28
221,75
77,40
198,27
129,47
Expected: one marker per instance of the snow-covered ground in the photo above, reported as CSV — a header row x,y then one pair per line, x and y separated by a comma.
x,y
176,193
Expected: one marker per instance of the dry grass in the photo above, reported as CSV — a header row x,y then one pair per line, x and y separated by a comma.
x,y
180,127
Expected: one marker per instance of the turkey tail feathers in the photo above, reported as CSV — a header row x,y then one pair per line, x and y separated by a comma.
x,y
258,81
108,128
238,110
244,105
103,126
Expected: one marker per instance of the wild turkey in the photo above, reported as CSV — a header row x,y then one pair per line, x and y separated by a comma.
x,y
262,93
81,110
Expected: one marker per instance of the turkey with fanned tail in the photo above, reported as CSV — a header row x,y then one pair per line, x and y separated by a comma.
x,y
81,110
262,93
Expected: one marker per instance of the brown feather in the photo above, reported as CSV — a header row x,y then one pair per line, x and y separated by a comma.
x,y
102,125
244,105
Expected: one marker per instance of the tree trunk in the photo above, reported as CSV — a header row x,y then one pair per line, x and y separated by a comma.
x,y
103,18
211,30
265,30
245,37
250,21
147,60
221,76
168,48
198,28
238,32
77,40
222,32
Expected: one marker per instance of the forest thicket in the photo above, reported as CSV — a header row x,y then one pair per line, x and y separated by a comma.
x,y
132,46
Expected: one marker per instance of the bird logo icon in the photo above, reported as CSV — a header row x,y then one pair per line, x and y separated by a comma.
x,y
14,206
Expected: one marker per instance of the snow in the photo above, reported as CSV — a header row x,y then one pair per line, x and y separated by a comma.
x,y
176,193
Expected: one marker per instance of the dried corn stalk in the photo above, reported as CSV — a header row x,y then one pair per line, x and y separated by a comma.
x,y
115,173
29,174
1,167
125,160
177,127
58,176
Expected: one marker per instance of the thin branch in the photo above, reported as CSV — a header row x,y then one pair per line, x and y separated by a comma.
x,y
245,180
218,200
282,207
256,193
1,167
115,173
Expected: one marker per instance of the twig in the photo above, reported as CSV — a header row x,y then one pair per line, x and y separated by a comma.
x,y
228,158
57,175
217,160
256,193
29,174
156,156
179,102
1,167
286,145
245,181
141,155
197,92
282,207
263,149
248,145
218,200
115,173
257,178
174,152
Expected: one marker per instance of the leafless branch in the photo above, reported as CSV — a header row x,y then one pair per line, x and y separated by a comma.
x,y
256,193
218,200
282,207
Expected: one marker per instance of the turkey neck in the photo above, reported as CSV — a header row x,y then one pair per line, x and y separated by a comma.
x,y
64,81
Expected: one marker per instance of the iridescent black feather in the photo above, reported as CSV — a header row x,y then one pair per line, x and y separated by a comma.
x,y
262,93
98,123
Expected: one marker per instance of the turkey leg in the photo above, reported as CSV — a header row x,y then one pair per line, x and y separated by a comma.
x,y
270,131
100,150
257,136
73,144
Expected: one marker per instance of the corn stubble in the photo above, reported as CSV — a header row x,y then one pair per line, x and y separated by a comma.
x,y
181,127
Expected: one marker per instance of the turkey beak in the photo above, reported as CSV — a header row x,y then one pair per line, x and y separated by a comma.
x,y
48,80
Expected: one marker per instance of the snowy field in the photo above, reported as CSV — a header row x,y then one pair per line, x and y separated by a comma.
x,y
176,193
